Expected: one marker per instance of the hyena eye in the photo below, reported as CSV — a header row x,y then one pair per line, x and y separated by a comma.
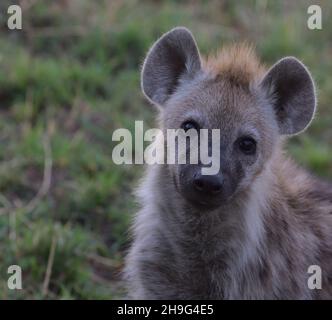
x,y
247,145
187,125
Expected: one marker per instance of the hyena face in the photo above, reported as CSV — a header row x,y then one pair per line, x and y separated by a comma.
x,y
230,92
246,139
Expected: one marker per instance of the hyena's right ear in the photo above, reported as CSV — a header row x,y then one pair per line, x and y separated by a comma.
x,y
172,58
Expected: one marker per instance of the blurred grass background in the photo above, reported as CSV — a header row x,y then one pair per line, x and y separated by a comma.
x,y
71,77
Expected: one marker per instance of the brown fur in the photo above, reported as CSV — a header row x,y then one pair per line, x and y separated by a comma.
x,y
237,63
271,221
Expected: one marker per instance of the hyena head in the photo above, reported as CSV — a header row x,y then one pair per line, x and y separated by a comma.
x,y
231,92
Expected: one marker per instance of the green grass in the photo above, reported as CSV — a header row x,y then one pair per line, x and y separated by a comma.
x,y
72,75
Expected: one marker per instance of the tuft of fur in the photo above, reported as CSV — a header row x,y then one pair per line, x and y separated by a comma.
x,y
237,63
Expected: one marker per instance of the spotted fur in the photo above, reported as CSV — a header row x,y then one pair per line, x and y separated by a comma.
x,y
277,222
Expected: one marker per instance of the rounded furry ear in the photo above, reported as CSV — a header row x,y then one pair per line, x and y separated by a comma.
x,y
173,58
291,90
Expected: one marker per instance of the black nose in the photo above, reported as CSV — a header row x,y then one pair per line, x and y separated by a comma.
x,y
208,183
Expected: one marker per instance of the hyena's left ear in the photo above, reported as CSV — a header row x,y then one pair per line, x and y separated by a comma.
x,y
174,57
292,92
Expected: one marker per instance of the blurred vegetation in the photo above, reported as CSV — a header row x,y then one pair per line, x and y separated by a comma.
x,y
71,77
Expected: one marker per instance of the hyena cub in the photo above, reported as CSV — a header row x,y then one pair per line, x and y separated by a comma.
x,y
252,230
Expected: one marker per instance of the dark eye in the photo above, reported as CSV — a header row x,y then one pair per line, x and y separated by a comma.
x,y
247,145
187,125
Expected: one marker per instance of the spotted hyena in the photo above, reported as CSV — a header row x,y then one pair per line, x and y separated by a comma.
x,y
252,230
